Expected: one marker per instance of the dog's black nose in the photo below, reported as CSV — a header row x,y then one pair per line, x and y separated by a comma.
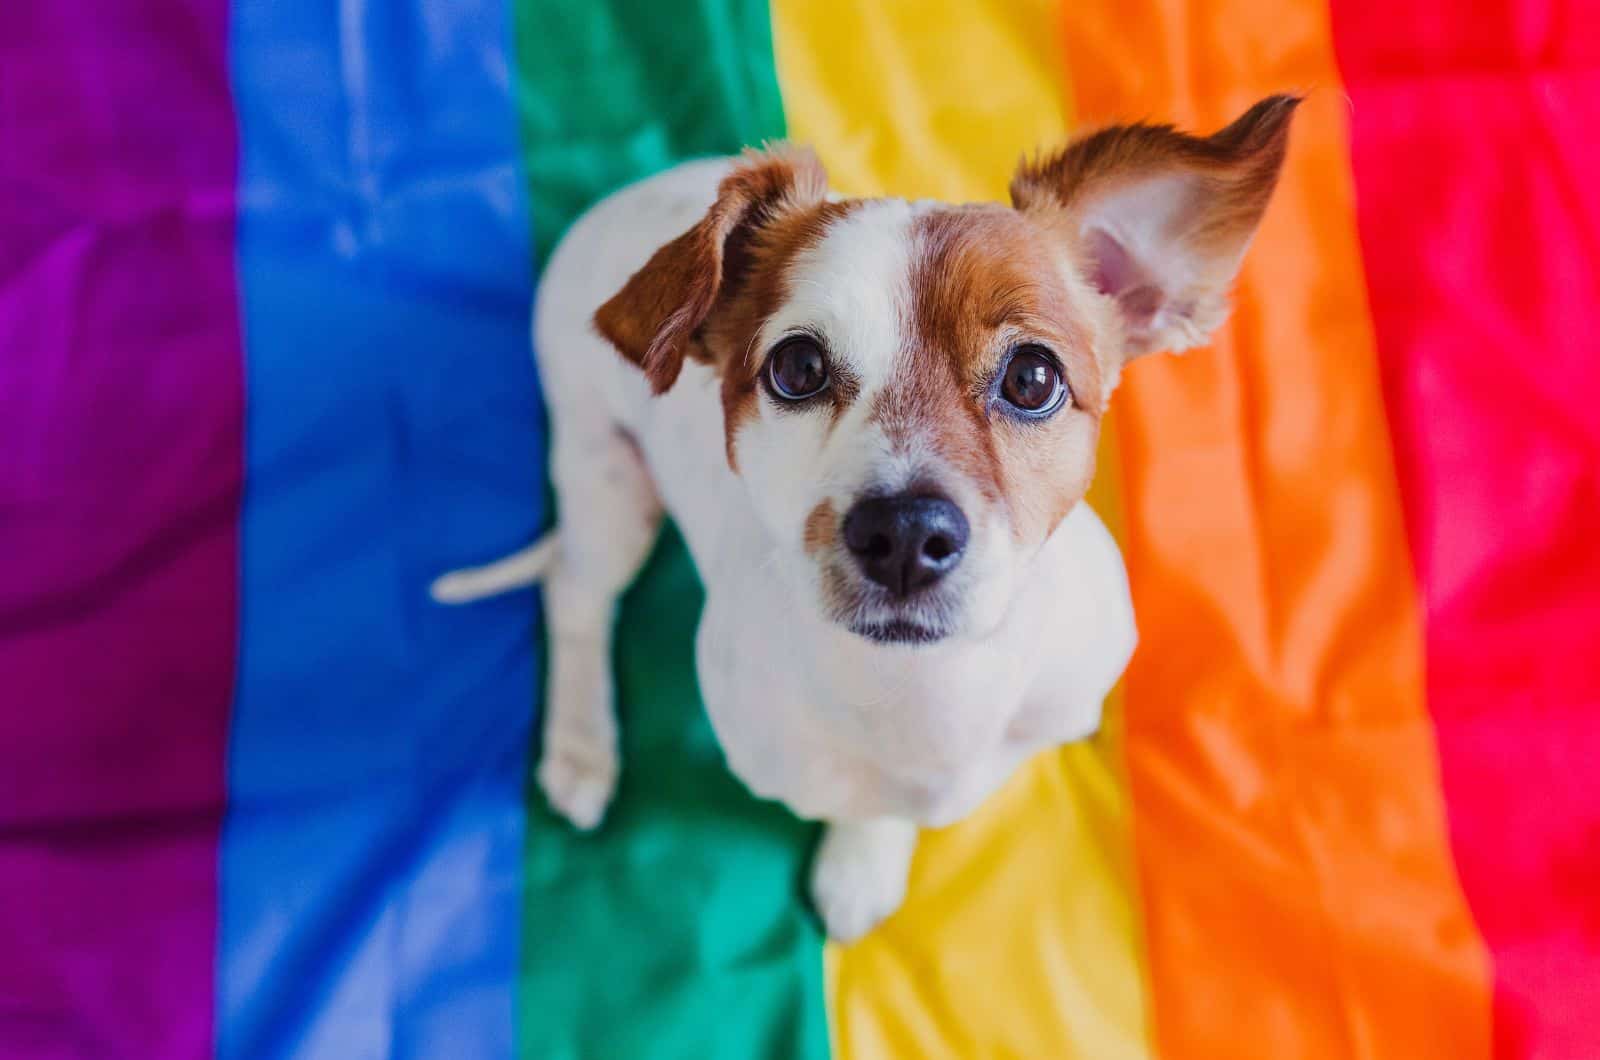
x,y
905,543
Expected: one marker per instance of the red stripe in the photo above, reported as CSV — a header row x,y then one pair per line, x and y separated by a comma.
x,y
1477,167
120,468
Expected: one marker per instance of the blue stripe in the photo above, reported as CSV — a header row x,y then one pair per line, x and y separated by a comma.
x,y
371,862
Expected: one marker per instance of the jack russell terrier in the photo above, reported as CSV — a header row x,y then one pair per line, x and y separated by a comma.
x,y
874,421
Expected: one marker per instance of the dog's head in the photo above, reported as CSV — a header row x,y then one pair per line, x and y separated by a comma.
x,y
912,391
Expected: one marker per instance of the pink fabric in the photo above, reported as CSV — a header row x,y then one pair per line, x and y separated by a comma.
x,y
1478,177
120,469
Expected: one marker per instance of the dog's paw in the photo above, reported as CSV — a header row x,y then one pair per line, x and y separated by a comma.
x,y
579,780
859,876
579,762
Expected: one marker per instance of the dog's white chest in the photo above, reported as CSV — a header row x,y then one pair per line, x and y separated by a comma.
x,y
887,744
837,728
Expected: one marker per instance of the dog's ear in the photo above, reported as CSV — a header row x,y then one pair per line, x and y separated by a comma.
x,y
653,320
1162,219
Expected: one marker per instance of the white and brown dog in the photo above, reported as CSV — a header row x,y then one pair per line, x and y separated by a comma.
x,y
874,421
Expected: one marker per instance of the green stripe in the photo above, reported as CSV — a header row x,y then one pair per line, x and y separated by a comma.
x,y
680,928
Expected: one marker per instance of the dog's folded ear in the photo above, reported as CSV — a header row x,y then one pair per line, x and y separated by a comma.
x,y
1162,219
654,320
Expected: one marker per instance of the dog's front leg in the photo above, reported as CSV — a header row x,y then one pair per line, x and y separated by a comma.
x,y
609,516
860,872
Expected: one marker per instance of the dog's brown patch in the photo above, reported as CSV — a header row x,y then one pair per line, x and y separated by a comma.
x,y
655,320
766,255
822,528
983,280
706,294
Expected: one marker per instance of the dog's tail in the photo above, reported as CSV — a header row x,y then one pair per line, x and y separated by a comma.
x,y
516,571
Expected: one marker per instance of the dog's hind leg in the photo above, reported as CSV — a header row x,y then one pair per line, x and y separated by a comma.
x,y
609,515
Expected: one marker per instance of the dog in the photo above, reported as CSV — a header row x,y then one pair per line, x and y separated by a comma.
x,y
874,421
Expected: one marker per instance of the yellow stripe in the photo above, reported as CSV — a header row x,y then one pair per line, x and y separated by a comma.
x,y
1020,936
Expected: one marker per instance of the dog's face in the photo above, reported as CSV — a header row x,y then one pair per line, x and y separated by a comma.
x,y
912,392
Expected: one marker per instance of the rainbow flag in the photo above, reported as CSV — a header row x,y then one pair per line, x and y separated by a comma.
x,y
264,275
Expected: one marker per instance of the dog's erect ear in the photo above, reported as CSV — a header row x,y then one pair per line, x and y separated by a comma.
x,y
1163,218
654,318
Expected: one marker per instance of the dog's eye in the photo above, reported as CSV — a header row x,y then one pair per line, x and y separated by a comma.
x,y
797,369
1032,382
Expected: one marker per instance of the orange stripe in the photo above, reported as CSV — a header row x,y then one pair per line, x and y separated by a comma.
x,y
1300,899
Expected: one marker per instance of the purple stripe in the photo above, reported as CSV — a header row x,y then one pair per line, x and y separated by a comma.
x,y
120,467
